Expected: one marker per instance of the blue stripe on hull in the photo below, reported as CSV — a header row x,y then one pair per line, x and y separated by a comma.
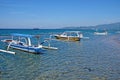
x,y
27,49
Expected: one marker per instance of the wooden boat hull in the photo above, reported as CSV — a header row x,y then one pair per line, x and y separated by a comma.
x,y
68,38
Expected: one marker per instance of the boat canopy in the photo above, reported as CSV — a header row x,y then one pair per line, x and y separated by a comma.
x,y
73,31
21,35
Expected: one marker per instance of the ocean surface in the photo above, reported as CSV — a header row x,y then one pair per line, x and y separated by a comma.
x,y
96,58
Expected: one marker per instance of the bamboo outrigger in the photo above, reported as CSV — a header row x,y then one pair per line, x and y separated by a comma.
x,y
26,45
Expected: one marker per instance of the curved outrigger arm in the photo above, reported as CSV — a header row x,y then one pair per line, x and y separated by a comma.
x,y
7,51
48,47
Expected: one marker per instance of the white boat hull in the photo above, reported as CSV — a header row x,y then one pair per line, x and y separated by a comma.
x,y
27,48
102,33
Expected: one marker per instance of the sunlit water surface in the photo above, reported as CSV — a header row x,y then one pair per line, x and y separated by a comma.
x,y
97,58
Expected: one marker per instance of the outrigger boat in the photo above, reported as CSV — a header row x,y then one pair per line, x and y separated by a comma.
x,y
70,36
23,42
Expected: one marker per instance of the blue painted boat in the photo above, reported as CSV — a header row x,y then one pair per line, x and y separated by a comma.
x,y
24,46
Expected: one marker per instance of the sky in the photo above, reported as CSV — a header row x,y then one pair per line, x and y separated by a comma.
x,y
57,13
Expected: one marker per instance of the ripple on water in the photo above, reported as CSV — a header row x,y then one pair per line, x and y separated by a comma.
x,y
95,59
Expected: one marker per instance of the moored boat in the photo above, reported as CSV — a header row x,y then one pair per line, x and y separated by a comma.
x,y
70,36
23,42
101,33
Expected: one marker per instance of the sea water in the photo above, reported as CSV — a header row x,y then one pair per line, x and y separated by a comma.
x,y
96,58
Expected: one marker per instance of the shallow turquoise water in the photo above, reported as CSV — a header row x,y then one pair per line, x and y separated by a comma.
x,y
95,59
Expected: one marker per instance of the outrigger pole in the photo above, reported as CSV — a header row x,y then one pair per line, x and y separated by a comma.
x,y
6,51
1,50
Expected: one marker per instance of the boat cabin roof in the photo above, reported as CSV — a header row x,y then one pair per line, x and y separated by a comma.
x,y
21,35
72,31
77,32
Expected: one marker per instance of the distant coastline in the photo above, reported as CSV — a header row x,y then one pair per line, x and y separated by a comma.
x,y
111,26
